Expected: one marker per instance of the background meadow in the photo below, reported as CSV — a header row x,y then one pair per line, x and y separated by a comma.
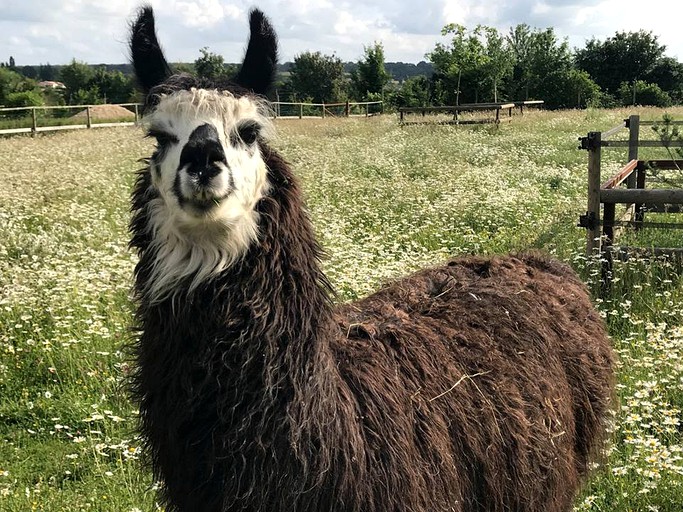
x,y
385,200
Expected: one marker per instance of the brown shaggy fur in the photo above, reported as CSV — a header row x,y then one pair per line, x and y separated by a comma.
x,y
485,380
482,385
479,385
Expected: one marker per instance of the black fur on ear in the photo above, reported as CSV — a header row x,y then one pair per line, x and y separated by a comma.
x,y
148,59
259,66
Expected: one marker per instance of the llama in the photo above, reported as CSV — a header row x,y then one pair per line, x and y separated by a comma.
x,y
482,384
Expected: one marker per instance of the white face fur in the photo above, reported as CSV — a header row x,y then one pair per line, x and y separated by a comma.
x,y
209,174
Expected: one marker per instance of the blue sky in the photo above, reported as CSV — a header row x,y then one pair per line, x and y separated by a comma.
x,y
95,31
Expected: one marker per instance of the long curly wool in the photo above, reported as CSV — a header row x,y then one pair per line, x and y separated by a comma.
x,y
479,385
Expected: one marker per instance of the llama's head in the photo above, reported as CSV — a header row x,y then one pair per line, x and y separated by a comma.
x,y
208,172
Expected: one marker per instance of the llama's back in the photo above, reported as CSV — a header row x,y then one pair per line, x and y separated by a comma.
x,y
488,381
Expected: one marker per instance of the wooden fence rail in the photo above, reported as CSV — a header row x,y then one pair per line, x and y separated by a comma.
x,y
32,120
35,127
455,110
601,220
322,110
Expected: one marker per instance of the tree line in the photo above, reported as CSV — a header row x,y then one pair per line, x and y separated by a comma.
x,y
470,65
484,65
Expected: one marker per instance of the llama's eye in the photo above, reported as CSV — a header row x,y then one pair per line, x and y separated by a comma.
x,y
163,138
248,133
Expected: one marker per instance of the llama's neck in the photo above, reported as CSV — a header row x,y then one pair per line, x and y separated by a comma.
x,y
275,300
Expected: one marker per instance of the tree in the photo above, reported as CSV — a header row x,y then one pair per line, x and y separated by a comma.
x,y
414,92
497,59
626,57
46,72
212,66
184,67
583,88
462,55
667,73
113,86
370,76
642,93
24,99
12,82
76,76
88,96
317,77
12,65
520,43
543,68
29,72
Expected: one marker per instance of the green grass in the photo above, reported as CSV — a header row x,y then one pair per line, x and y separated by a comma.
x,y
385,201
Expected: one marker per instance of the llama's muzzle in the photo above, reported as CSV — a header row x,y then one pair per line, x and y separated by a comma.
x,y
202,154
202,161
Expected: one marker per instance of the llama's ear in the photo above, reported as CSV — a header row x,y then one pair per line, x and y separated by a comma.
x,y
259,66
149,62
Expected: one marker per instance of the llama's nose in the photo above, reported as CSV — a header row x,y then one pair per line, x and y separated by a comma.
x,y
202,152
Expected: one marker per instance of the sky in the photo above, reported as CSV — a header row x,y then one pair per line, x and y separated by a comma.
x,y
96,31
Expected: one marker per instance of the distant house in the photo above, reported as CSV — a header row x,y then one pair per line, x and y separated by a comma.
x,y
51,84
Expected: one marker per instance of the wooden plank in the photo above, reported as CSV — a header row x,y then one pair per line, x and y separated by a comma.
x,y
663,208
9,131
451,121
633,137
61,127
611,132
624,253
593,230
639,225
456,108
650,123
653,196
638,208
642,144
52,107
308,104
670,165
112,125
607,241
622,175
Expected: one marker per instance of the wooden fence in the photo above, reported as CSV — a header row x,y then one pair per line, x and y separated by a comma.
x,y
42,119
322,110
455,110
601,220
38,123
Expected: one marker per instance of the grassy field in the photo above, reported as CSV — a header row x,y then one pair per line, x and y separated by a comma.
x,y
385,200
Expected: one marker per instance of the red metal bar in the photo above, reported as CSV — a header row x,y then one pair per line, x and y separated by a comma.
x,y
621,176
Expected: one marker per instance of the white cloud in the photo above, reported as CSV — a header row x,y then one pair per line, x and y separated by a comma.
x,y
97,30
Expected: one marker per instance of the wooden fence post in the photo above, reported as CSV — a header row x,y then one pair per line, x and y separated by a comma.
x,y
609,216
639,215
323,111
633,135
87,113
137,114
348,109
301,110
593,228
34,122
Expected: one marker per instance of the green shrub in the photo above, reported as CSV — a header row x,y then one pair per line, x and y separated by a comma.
x,y
646,94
